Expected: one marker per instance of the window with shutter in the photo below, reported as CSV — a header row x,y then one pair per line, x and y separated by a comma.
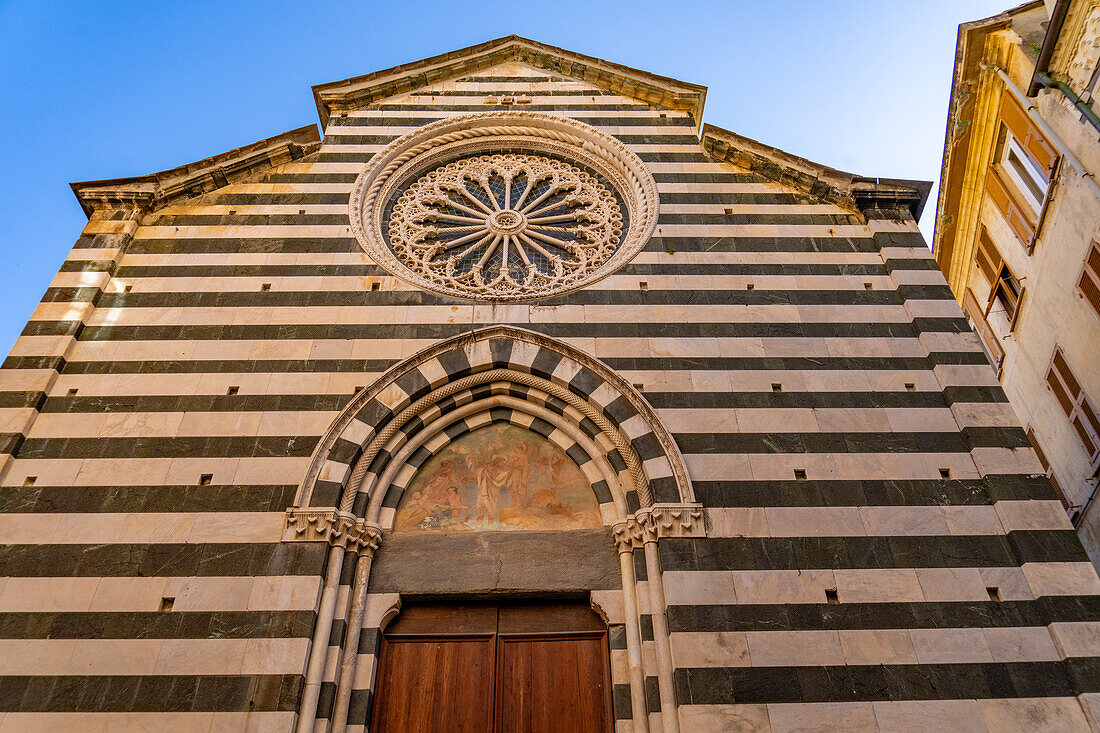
x,y
1089,284
1031,140
1029,180
1007,293
1012,212
986,256
1023,168
1075,403
989,339
1046,467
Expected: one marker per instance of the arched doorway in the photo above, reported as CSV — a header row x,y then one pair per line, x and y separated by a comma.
x,y
381,451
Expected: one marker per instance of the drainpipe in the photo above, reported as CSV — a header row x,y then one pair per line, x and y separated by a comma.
x,y
1050,40
1085,509
1081,105
1050,135
1040,79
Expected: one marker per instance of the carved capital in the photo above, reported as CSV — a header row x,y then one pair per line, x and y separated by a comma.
x,y
654,522
339,529
678,520
627,534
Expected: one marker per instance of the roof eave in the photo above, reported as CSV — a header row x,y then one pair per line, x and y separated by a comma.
x,y
819,181
158,189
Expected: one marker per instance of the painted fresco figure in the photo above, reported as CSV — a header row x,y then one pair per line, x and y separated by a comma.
x,y
519,471
453,506
491,479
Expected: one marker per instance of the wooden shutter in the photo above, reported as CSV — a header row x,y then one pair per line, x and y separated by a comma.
x,y
1028,135
1007,291
1089,284
987,257
1013,213
992,344
1046,467
1075,403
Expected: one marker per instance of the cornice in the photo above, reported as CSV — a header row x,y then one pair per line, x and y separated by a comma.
x,y
145,193
360,91
967,80
826,184
1068,44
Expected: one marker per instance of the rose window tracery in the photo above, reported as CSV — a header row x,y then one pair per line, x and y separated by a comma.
x,y
506,223
503,206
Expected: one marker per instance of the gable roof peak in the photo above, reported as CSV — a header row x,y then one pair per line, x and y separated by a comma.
x,y
360,91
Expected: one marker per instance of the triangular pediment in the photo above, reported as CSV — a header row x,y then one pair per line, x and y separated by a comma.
x,y
361,91
512,61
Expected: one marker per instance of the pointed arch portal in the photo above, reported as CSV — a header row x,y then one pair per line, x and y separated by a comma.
x,y
408,429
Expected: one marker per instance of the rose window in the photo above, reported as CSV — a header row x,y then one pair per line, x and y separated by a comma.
x,y
503,206
504,224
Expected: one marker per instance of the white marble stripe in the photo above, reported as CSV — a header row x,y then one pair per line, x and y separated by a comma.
x,y
157,528
354,284
718,421
447,314
743,347
716,209
798,648
207,593
335,132
336,146
331,167
581,112
282,349
473,98
78,657
678,380
337,231
435,112
1015,715
872,521
293,187
151,471
878,585
829,466
643,258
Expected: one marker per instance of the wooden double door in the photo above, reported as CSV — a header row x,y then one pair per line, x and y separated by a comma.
x,y
497,668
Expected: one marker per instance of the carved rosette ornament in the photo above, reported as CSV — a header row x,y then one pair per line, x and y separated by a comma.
x,y
504,206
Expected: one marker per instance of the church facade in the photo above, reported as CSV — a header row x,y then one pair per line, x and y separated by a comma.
x,y
522,400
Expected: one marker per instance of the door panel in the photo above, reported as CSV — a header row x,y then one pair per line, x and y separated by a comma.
x,y
435,685
489,667
552,684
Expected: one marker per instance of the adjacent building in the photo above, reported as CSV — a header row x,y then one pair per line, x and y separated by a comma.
x,y
1017,230
520,399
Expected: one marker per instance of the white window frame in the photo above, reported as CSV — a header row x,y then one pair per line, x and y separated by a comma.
x,y
1038,177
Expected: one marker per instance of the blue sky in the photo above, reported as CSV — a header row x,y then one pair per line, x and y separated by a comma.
x,y
103,90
